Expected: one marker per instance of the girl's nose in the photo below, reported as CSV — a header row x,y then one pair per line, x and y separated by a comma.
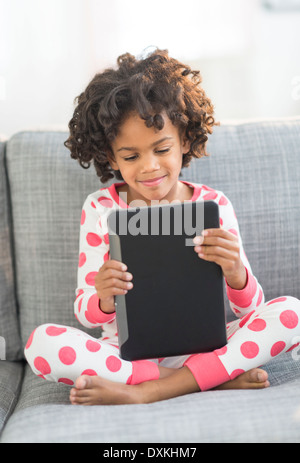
x,y
151,164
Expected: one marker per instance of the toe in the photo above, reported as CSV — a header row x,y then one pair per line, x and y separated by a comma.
x,y
79,397
83,382
258,376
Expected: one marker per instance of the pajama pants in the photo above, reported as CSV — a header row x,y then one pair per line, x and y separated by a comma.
x,y
62,354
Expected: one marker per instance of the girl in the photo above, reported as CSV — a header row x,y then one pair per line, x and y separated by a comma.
x,y
142,123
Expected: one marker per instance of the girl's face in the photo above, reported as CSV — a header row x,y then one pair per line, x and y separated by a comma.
x,y
150,160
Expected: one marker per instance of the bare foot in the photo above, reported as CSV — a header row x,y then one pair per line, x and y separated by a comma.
x,y
94,390
252,379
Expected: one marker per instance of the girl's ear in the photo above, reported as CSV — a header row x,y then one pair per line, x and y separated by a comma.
x,y
112,162
186,145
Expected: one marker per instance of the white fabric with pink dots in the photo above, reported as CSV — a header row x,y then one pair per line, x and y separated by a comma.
x,y
61,354
254,340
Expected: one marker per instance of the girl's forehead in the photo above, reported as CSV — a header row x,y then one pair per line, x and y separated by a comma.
x,y
134,130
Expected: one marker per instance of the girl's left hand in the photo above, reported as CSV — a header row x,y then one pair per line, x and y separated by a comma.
x,y
222,247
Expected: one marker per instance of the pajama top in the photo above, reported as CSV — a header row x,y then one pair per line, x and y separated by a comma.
x,y
94,251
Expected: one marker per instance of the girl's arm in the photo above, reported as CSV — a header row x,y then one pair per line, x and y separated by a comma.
x,y
224,246
93,253
251,296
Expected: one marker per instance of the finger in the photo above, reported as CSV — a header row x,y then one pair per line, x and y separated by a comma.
x,y
110,273
223,262
115,264
221,232
221,242
216,245
209,234
111,292
118,291
211,252
116,283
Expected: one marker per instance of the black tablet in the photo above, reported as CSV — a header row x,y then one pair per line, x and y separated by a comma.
x,y
176,305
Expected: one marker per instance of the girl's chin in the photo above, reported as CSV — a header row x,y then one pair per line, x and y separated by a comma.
x,y
148,197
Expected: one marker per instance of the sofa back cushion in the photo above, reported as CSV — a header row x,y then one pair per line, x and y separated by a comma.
x,y
48,190
10,343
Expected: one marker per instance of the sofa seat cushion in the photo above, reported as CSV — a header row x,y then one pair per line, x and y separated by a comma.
x,y
44,414
11,374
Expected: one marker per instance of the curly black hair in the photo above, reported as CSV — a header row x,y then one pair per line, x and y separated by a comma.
x,y
147,86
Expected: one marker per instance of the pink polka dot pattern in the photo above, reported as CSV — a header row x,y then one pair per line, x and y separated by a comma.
x,y
246,318
93,346
105,202
55,330
236,373
90,278
30,339
42,365
80,305
293,347
223,201
277,348
67,355
93,239
89,372
289,319
83,217
249,349
67,381
82,259
113,363
210,196
254,340
257,325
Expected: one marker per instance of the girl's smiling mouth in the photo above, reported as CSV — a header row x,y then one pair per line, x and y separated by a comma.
x,y
153,181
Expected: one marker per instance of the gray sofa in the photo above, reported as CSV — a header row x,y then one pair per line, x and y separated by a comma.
x,y
257,165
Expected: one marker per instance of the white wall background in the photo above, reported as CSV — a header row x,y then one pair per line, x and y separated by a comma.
x,y
249,56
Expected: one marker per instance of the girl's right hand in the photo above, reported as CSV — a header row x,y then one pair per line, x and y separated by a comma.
x,y
112,280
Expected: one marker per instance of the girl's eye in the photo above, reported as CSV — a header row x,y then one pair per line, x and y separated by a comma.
x,y
134,156
163,151
130,158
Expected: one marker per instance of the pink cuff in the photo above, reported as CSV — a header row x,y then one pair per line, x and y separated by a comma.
x,y
243,297
208,370
143,370
94,314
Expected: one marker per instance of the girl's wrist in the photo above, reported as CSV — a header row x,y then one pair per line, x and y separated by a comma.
x,y
106,308
238,281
